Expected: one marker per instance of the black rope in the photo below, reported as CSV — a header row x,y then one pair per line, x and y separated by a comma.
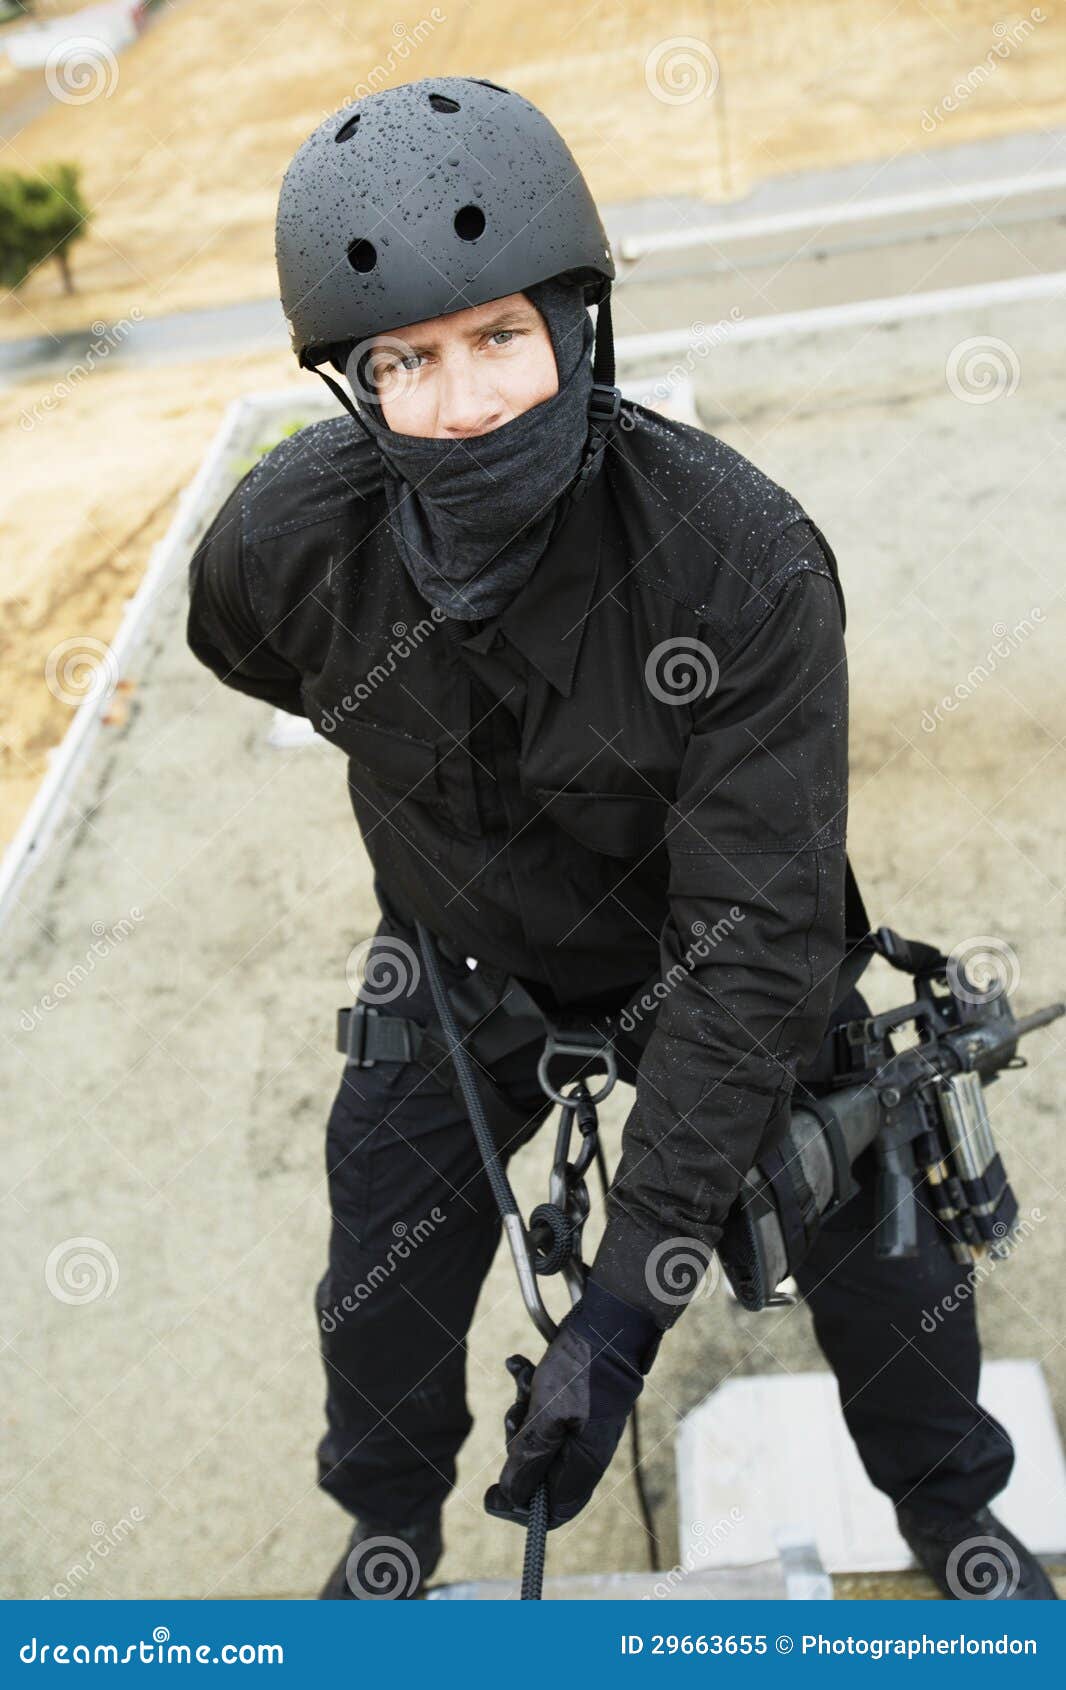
x,y
536,1546
647,1514
537,1529
506,1203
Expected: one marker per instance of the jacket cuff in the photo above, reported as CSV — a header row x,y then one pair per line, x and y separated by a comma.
x,y
611,1324
655,1273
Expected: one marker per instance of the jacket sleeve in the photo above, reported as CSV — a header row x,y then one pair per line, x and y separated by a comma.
x,y
752,941
222,629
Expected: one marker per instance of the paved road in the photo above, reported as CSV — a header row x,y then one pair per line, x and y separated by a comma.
x,y
878,250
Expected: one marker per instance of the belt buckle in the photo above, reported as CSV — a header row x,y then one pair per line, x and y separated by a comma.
x,y
357,1017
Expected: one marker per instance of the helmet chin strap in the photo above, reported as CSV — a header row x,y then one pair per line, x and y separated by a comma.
x,y
344,399
605,399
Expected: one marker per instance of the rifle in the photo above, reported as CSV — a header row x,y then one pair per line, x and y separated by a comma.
x,y
923,1109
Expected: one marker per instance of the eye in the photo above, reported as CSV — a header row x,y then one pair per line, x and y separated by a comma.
x,y
411,361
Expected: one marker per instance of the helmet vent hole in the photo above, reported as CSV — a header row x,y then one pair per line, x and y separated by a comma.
x,y
362,256
469,222
441,102
347,130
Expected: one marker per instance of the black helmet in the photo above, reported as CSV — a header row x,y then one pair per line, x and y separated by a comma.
x,y
427,199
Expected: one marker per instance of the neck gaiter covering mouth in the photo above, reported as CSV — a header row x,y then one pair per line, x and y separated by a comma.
x,y
471,518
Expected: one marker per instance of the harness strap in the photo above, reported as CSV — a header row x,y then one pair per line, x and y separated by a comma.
x,y
910,956
365,1037
795,1201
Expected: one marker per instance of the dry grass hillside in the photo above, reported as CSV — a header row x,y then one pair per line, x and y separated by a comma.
x,y
183,156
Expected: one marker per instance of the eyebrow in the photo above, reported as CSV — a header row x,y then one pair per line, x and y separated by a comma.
x,y
510,318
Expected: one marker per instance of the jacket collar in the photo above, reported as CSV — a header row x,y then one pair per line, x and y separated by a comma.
x,y
546,618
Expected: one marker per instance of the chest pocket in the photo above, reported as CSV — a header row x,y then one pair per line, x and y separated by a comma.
x,y
614,824
399,762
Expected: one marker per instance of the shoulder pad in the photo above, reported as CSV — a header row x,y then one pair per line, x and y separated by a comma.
x,y
309,476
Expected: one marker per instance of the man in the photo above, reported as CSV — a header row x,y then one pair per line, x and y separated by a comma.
x,y
588,670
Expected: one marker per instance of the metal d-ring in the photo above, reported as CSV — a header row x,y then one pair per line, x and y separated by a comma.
x,y
557,1044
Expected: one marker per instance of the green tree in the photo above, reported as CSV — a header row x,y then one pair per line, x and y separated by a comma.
x,y
39,218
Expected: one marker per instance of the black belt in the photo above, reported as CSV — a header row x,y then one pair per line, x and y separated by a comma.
x,y
366,1036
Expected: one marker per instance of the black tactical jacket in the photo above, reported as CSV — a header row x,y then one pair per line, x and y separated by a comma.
x,y
630,784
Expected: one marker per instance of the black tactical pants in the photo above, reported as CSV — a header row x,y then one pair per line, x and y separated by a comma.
x,y
414,1230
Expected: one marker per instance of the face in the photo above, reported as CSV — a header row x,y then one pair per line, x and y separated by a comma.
x,y
464,374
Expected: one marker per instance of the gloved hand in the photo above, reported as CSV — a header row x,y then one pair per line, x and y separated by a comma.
x,y
572,1409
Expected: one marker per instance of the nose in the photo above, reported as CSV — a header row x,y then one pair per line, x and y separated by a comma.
x,y
466,406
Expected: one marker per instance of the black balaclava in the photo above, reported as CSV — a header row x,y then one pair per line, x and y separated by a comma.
x,y
471,518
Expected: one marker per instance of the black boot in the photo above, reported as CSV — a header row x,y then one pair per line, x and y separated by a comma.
x,y
386,1563
975,1558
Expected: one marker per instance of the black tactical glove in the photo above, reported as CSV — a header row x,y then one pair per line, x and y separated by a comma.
x,y
572,1409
